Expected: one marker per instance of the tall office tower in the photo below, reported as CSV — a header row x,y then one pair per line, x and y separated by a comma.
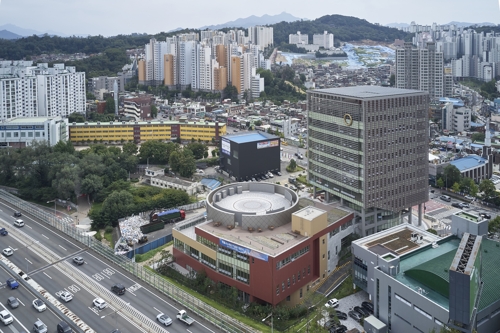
x,y
421,69
186,58
220,78
169,67
262,36
368,149
237,74
298,38
325,40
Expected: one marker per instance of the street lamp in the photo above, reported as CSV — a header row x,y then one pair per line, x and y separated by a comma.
x,y
270,315
55,209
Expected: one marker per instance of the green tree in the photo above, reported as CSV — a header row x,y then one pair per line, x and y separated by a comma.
x,y
488,188
477,137
258,123
64,147
187,165
440,183
451,175
154,111
91,185
130,148
76,117
66,182
392,80
456,187
432,231
231,92
90,96
197,148
117,205
110,105
302,78
494,225
293,165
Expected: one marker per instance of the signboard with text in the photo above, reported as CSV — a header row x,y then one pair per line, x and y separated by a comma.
x,y
226,147
268,144
243,250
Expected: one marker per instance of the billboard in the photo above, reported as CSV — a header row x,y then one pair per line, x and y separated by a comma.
x,y
243,250
268,144
226,147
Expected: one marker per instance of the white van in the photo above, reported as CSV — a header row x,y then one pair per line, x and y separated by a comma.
x,y
19,223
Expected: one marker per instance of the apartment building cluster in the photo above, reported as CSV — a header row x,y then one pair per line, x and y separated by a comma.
x,y
208,63
102,85
471,54
421,67
324,40
28,90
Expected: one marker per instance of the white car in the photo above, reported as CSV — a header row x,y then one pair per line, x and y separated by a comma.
x,y
39,305
6,317
333,303
7,252
164,319
100,303
66,296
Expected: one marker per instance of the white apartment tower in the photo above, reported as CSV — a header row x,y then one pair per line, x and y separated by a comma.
x,y
262,36
298,38
187,61
205,68
324,40
32,91
154,52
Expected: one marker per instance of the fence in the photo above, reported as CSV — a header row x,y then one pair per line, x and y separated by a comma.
x,y
224,322
150,246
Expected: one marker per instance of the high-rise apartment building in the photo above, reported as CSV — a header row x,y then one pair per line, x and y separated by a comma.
x,y
220,78
169,67
368,149
32,91
237,73
422,69
324,40
298,38
262,36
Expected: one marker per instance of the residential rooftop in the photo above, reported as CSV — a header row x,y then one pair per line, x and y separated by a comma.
x,y
160,122
249,137
367,91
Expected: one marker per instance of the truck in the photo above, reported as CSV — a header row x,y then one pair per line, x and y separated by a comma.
x,y
182,316
167,216
153,226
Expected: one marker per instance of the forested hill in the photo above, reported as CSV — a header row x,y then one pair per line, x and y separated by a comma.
x,y
345,29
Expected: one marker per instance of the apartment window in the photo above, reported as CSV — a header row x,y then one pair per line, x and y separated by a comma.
x,y
288,282
23,134
323,241
277,289
293,279
300,292
283,286
298,276
309,267
288,298
37,134
328,255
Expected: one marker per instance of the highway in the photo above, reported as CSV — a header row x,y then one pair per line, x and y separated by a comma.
x,y
54,280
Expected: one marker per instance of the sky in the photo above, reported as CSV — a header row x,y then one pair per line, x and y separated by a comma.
x,y
113,17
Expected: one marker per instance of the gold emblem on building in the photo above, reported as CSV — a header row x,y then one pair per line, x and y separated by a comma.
x,y
348,119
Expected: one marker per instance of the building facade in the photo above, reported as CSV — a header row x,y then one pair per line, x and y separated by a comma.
x,y
122,131
367,147
22,132
40,91
288,261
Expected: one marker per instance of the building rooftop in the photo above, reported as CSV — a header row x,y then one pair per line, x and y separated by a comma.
x,y
455,101
29,120
367,91
173,180
468,162
249,137
309,213
333,214
160,122
256,202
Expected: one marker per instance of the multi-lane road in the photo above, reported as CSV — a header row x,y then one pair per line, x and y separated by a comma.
x,y
54,279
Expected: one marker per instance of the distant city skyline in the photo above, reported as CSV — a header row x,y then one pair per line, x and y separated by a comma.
x,y
114,17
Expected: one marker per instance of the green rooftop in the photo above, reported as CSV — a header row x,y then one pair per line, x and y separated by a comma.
x,y
469,217
428,269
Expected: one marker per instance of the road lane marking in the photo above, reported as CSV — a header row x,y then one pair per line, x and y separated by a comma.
x,y
28,261
20,302
157,310
62,248
45,236
16,319
28,226
47,275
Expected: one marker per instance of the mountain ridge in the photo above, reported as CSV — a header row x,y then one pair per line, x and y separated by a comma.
x,y
254,20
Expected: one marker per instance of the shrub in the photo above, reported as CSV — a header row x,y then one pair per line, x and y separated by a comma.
x,y
109,229
98,236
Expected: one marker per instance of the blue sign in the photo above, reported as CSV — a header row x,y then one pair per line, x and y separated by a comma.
x,y
243,250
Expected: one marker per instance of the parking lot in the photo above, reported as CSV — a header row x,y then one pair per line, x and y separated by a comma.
x,y
347,304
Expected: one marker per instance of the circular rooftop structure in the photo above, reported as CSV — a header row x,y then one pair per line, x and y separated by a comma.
x,y
252,205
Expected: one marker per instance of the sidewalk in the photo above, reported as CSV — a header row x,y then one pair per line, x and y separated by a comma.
x,y
81,216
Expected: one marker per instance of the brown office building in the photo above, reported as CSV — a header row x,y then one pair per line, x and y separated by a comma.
x,y
368,150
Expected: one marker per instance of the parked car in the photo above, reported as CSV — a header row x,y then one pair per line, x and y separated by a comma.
x,y
12,302
464,205
329,324
354,315
339,314
361,311
39,305
333,303
456,205
338,329
468,197
367,306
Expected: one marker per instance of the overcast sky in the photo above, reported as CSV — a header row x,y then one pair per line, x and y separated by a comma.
x,y
112,17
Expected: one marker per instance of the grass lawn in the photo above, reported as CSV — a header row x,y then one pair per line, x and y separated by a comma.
x,y
150,254
230,312
109,237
